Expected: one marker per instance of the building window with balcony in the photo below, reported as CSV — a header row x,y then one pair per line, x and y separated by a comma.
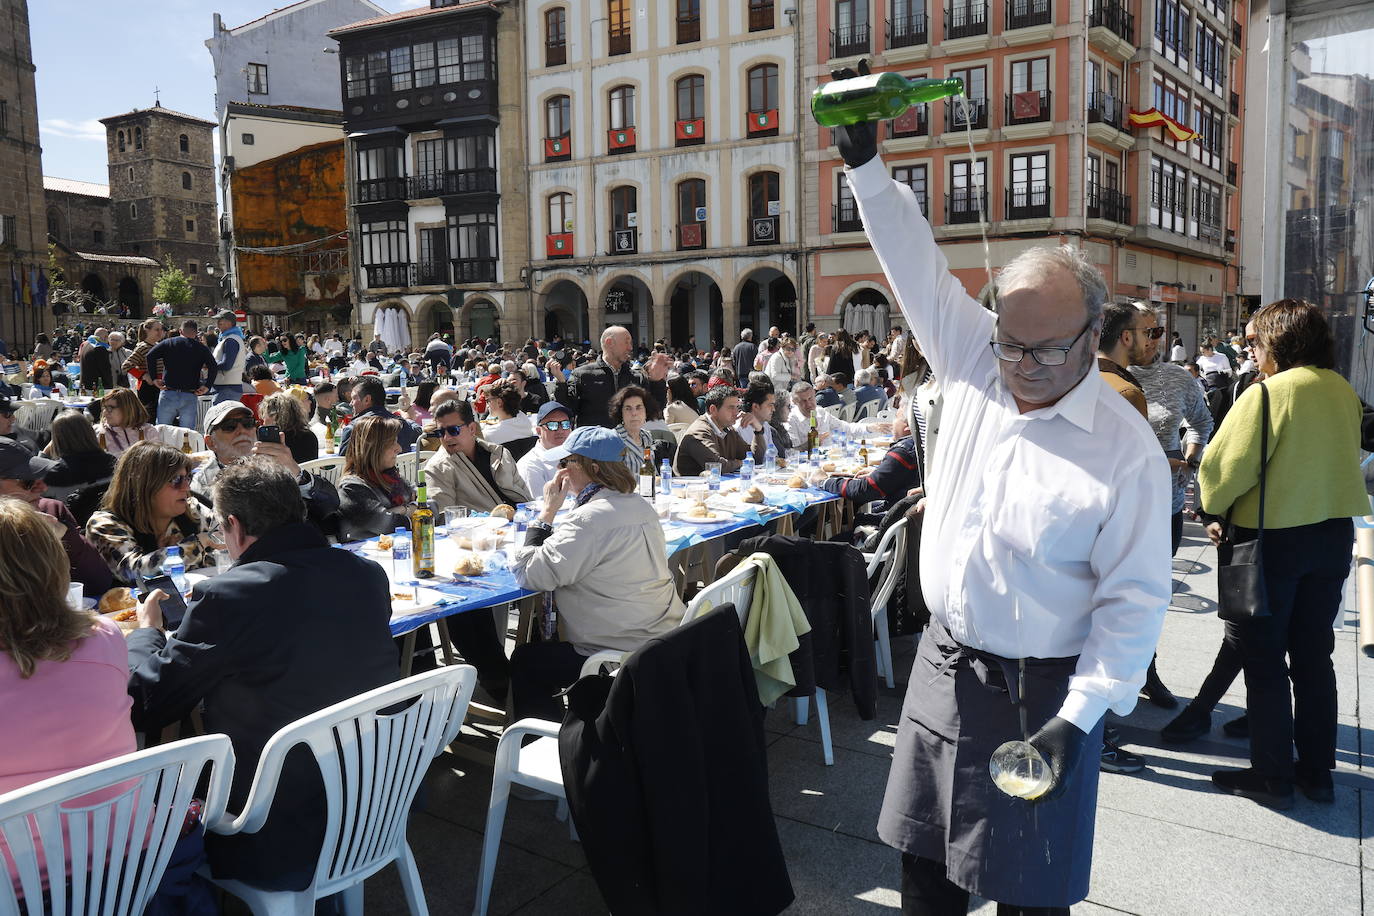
x,y
469,164
760,15
559,238
1112,14
1029,99
557,128
846,215
618,27
429,168
621,136
1206,224
966,18
850,37
765,207
472,246
972,109
763,100
432,268
1023,14
908,25
624,220
257,79
385,252
968,194
556,37
1168,195
915,177
691,213
1028,197
379,172
688,21
690,126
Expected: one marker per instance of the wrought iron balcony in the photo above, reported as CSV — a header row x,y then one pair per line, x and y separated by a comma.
x,y
763,230
465,181
964,204
1113,16
429,273
905,31
1028,202
1109,204
691,235
1027,107
850,42
962,113
844,217
388,275
372,190
966,19
624,241
473,270
914,122
1022,14
1104,108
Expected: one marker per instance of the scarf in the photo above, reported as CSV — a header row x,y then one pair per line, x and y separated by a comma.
x,y
395,487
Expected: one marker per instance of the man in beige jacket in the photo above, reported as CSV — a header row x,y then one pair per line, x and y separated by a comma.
x,y
470,471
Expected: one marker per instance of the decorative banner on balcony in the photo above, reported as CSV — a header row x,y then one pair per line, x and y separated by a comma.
x,y
908,122
691,235
557,146
763,120
1156,118
1025,105
622,137
690,129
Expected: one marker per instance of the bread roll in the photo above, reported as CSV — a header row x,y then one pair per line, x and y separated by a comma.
x,y
504,511
797,483
752,495
385,542
117,599
469,564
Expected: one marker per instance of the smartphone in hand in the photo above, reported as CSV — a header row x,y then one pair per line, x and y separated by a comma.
x,y
173,606
269,434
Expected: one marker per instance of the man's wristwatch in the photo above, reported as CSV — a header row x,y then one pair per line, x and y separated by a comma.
x,y
1193,462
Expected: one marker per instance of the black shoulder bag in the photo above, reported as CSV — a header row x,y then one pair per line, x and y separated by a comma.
x,y
1242,593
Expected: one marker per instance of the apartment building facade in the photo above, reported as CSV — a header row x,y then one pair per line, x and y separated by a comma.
x,y
438,221
1051,86
664,164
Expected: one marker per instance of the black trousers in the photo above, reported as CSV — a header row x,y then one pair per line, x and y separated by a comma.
x,y
1304,572
474,636
538,671
927,892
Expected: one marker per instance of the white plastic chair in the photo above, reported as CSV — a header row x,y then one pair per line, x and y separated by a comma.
x,y
372,763
867,410
176,436
328,468
107,856
677,429
408,467
889,557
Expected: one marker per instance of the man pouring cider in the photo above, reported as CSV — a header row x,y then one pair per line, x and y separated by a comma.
x,y
1044,560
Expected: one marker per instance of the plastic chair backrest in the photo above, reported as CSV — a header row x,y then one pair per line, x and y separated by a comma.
x,y
866,410
677,429
373,751
889,556
408,467
36,416
668,435
98,839
175,436
328,468
736,587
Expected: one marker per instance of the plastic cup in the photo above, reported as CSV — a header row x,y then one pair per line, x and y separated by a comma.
x,y
1019,771
223,561
76,593
453,518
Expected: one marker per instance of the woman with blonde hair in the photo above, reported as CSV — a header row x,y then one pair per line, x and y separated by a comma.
x,y
374,498
124,421
146,510
286,412
80,459
64,700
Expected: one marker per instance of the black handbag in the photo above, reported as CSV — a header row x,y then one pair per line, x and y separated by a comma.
x,y
1242,594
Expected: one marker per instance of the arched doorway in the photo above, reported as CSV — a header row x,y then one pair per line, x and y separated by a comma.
x,y
695,311
130,298
565,312
768,298
483,320
628,302
93,286
867,310
438,317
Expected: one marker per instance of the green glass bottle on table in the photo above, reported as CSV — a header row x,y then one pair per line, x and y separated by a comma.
x,y
876,97
422,530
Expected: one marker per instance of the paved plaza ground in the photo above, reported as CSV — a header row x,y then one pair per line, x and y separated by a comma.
x,y
1167,842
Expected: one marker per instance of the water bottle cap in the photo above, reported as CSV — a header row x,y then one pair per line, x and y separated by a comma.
x,y
173,551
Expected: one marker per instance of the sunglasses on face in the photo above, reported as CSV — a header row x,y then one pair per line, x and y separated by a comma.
x,y
552,425
1152,333
230,426
454,431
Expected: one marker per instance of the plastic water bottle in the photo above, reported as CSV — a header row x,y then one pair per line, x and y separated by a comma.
x,y
175,567
400,555
665,475
746,470
770,458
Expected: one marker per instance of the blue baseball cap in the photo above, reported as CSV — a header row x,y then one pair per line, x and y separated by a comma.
x,y
549,407
595,442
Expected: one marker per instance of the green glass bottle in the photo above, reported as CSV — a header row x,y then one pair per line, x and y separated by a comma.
x,y
876,97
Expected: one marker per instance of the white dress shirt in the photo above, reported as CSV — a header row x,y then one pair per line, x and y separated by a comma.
x,y
536,469
1217,362
1046,534
798,425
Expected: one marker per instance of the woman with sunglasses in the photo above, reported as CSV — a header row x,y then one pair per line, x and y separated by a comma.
x,y
146,510
374,498
123,421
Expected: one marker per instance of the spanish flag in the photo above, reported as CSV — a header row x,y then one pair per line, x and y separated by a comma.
x,y
1156,118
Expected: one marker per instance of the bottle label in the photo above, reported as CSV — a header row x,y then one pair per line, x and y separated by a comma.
x,y
646,486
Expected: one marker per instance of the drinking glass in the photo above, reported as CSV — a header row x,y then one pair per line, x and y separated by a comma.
x,y
453,519
222,561
793,457
75,594
1019,771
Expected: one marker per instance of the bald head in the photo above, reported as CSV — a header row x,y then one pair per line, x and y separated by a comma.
x,y
616,345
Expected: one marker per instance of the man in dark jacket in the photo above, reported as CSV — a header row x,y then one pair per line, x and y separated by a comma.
x,y
293,627
369,399
180,361
742,356
588,389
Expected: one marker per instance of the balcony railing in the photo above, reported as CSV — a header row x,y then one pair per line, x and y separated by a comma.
x,y
1028,107
1028,202
372,190
914,122
395,274
961,114
849,42
1109,204
1022,14
1113,16
555,53
1235,104
429,273
466,181
1232,172
963,20
618,42
688,28
763,230
691,235
624,241
844,217
905,31
473,270
964,204
1104,108
761,17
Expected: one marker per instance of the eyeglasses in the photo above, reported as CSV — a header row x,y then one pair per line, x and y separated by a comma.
x,y
230,426
454,431
1045,356
552,425
181,480
1152,333
1251,340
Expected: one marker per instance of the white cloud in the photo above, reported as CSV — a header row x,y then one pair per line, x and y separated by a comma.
x,y
90,129
409,4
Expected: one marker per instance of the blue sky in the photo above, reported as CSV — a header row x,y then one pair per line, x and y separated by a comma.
x,y
97,58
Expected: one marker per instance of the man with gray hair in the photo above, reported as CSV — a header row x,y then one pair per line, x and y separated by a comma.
x,y
742,356
1044,558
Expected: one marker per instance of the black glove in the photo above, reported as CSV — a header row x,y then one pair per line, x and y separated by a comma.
x,y
1060,742
857,143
